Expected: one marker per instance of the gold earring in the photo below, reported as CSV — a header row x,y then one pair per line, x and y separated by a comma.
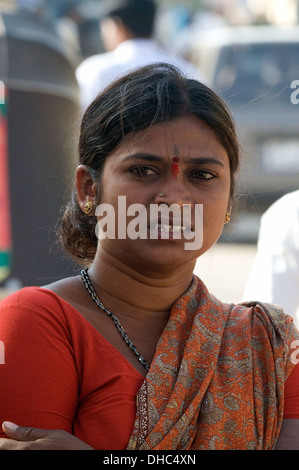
x,y
227,218
88,208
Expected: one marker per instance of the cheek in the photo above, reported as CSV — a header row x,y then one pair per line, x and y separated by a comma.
x,y
110,191
214,211
213,223
213,219
216,200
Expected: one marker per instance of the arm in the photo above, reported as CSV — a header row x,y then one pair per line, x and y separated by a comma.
x,y
22,438
38,377
289,435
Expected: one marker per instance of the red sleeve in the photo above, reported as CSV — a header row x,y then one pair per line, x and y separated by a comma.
x,y
38,379
291,400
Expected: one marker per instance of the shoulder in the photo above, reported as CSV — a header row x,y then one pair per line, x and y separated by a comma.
x,y
267,315
281,210
244,312
262,329
289,200
267,321
32,306
34,296
93,64
272,329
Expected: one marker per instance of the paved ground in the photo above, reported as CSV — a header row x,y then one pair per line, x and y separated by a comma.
x,y
225,269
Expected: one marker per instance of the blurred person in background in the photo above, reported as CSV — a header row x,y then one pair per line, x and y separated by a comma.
x,y
127,28
274,276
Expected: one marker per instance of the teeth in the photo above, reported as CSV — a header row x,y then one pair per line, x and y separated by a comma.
x,y
169,228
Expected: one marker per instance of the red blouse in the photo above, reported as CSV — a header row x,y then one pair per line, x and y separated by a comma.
x,y
59,372
291,395
56,363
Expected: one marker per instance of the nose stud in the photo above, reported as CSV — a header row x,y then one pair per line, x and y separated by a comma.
x,y
161,195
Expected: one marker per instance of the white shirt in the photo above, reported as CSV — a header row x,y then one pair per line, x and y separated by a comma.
x,y
97,71
274,275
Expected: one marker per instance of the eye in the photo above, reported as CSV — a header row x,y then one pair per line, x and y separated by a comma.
x,y
142,171
203,175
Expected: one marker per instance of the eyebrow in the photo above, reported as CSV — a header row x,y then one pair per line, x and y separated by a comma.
x,y
206,160
155,158
144,156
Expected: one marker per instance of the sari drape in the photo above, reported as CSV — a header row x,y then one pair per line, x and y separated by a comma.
x,y
217,377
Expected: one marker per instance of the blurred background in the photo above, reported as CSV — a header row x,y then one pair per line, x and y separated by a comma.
x,y
248,51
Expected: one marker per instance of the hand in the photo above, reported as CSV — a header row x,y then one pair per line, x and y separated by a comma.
x,y
25,438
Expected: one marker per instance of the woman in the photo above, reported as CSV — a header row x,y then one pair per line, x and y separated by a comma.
x,y
206,375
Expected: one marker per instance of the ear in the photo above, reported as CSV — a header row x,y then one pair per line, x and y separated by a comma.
x,y
85,186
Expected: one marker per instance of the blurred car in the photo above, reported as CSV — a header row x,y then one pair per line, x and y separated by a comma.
x,y
253,69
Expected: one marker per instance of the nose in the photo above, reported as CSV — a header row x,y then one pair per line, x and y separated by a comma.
x,y
174,191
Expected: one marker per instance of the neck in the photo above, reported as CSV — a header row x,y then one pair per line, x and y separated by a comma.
x,y
123,289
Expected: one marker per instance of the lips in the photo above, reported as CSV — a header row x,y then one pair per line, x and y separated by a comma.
x,y
169,230
171,223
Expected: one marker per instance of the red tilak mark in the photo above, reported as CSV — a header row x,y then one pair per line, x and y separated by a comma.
x,y
175,167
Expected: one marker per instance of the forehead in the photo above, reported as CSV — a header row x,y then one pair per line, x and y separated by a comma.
x,y
186,136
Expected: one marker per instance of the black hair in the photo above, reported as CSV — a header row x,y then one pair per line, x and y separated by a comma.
x,y
137,15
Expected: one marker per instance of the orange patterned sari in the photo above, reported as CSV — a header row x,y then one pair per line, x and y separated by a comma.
x,y
217,378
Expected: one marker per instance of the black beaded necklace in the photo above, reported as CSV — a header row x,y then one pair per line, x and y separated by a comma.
x,y
120,328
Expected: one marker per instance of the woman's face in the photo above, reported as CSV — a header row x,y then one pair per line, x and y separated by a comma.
x,y
182,160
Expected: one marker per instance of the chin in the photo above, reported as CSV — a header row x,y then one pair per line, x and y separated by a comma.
x,y
167,257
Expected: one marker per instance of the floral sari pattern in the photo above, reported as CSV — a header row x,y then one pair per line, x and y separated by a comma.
x,y
217,378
